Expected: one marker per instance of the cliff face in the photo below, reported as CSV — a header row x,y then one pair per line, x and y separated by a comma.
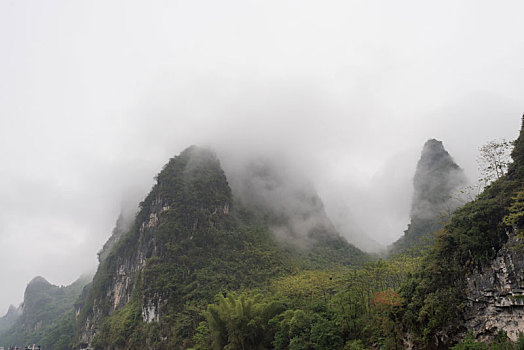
x,y
495,291
436,184
495,294
120,267
179,196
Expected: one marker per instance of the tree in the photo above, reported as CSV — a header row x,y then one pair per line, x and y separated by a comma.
x,y
494,159
239,322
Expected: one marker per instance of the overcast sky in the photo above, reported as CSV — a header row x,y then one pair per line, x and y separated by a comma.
x,y
95,96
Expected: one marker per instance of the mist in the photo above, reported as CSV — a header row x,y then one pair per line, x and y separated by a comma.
x,y
95,97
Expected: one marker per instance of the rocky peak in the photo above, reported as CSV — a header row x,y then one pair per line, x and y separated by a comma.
x,y
191,196
436,184
38,282
436,180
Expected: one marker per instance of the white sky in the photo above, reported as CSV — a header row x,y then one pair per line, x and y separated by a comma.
x,y
95,96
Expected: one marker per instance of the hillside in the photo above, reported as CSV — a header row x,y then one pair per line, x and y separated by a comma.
x,y
190,240
46,315
9,319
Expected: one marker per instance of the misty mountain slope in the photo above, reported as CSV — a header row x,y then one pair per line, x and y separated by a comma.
x,y
122,226
190,240
291,207
46,315
436,184
10,318
472,279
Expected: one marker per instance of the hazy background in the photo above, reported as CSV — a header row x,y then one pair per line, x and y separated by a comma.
x,y
95,96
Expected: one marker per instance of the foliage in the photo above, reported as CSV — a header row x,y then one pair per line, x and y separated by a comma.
x,y
315,309
494,160
241,322
47,317
501,342
515,218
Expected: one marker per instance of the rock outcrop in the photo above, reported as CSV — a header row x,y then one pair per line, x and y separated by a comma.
x,y
495,294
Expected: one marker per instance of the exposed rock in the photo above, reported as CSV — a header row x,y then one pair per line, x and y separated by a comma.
x,y
495,294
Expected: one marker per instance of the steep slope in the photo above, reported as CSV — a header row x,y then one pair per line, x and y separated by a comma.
x,y
291,207
46,315
189,241
123,224
436,184
472,279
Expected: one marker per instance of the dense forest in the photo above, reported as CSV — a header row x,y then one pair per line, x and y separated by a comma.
x,y
200,269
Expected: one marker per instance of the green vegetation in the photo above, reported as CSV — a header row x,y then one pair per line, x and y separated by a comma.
x,y
501,342
48,317
315,309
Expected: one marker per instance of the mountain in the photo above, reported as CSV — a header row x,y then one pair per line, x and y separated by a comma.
x,y
436,185
192,238
45,316
9,318
472,279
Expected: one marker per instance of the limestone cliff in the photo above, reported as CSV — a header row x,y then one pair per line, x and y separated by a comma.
x,y
495,294
177,187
